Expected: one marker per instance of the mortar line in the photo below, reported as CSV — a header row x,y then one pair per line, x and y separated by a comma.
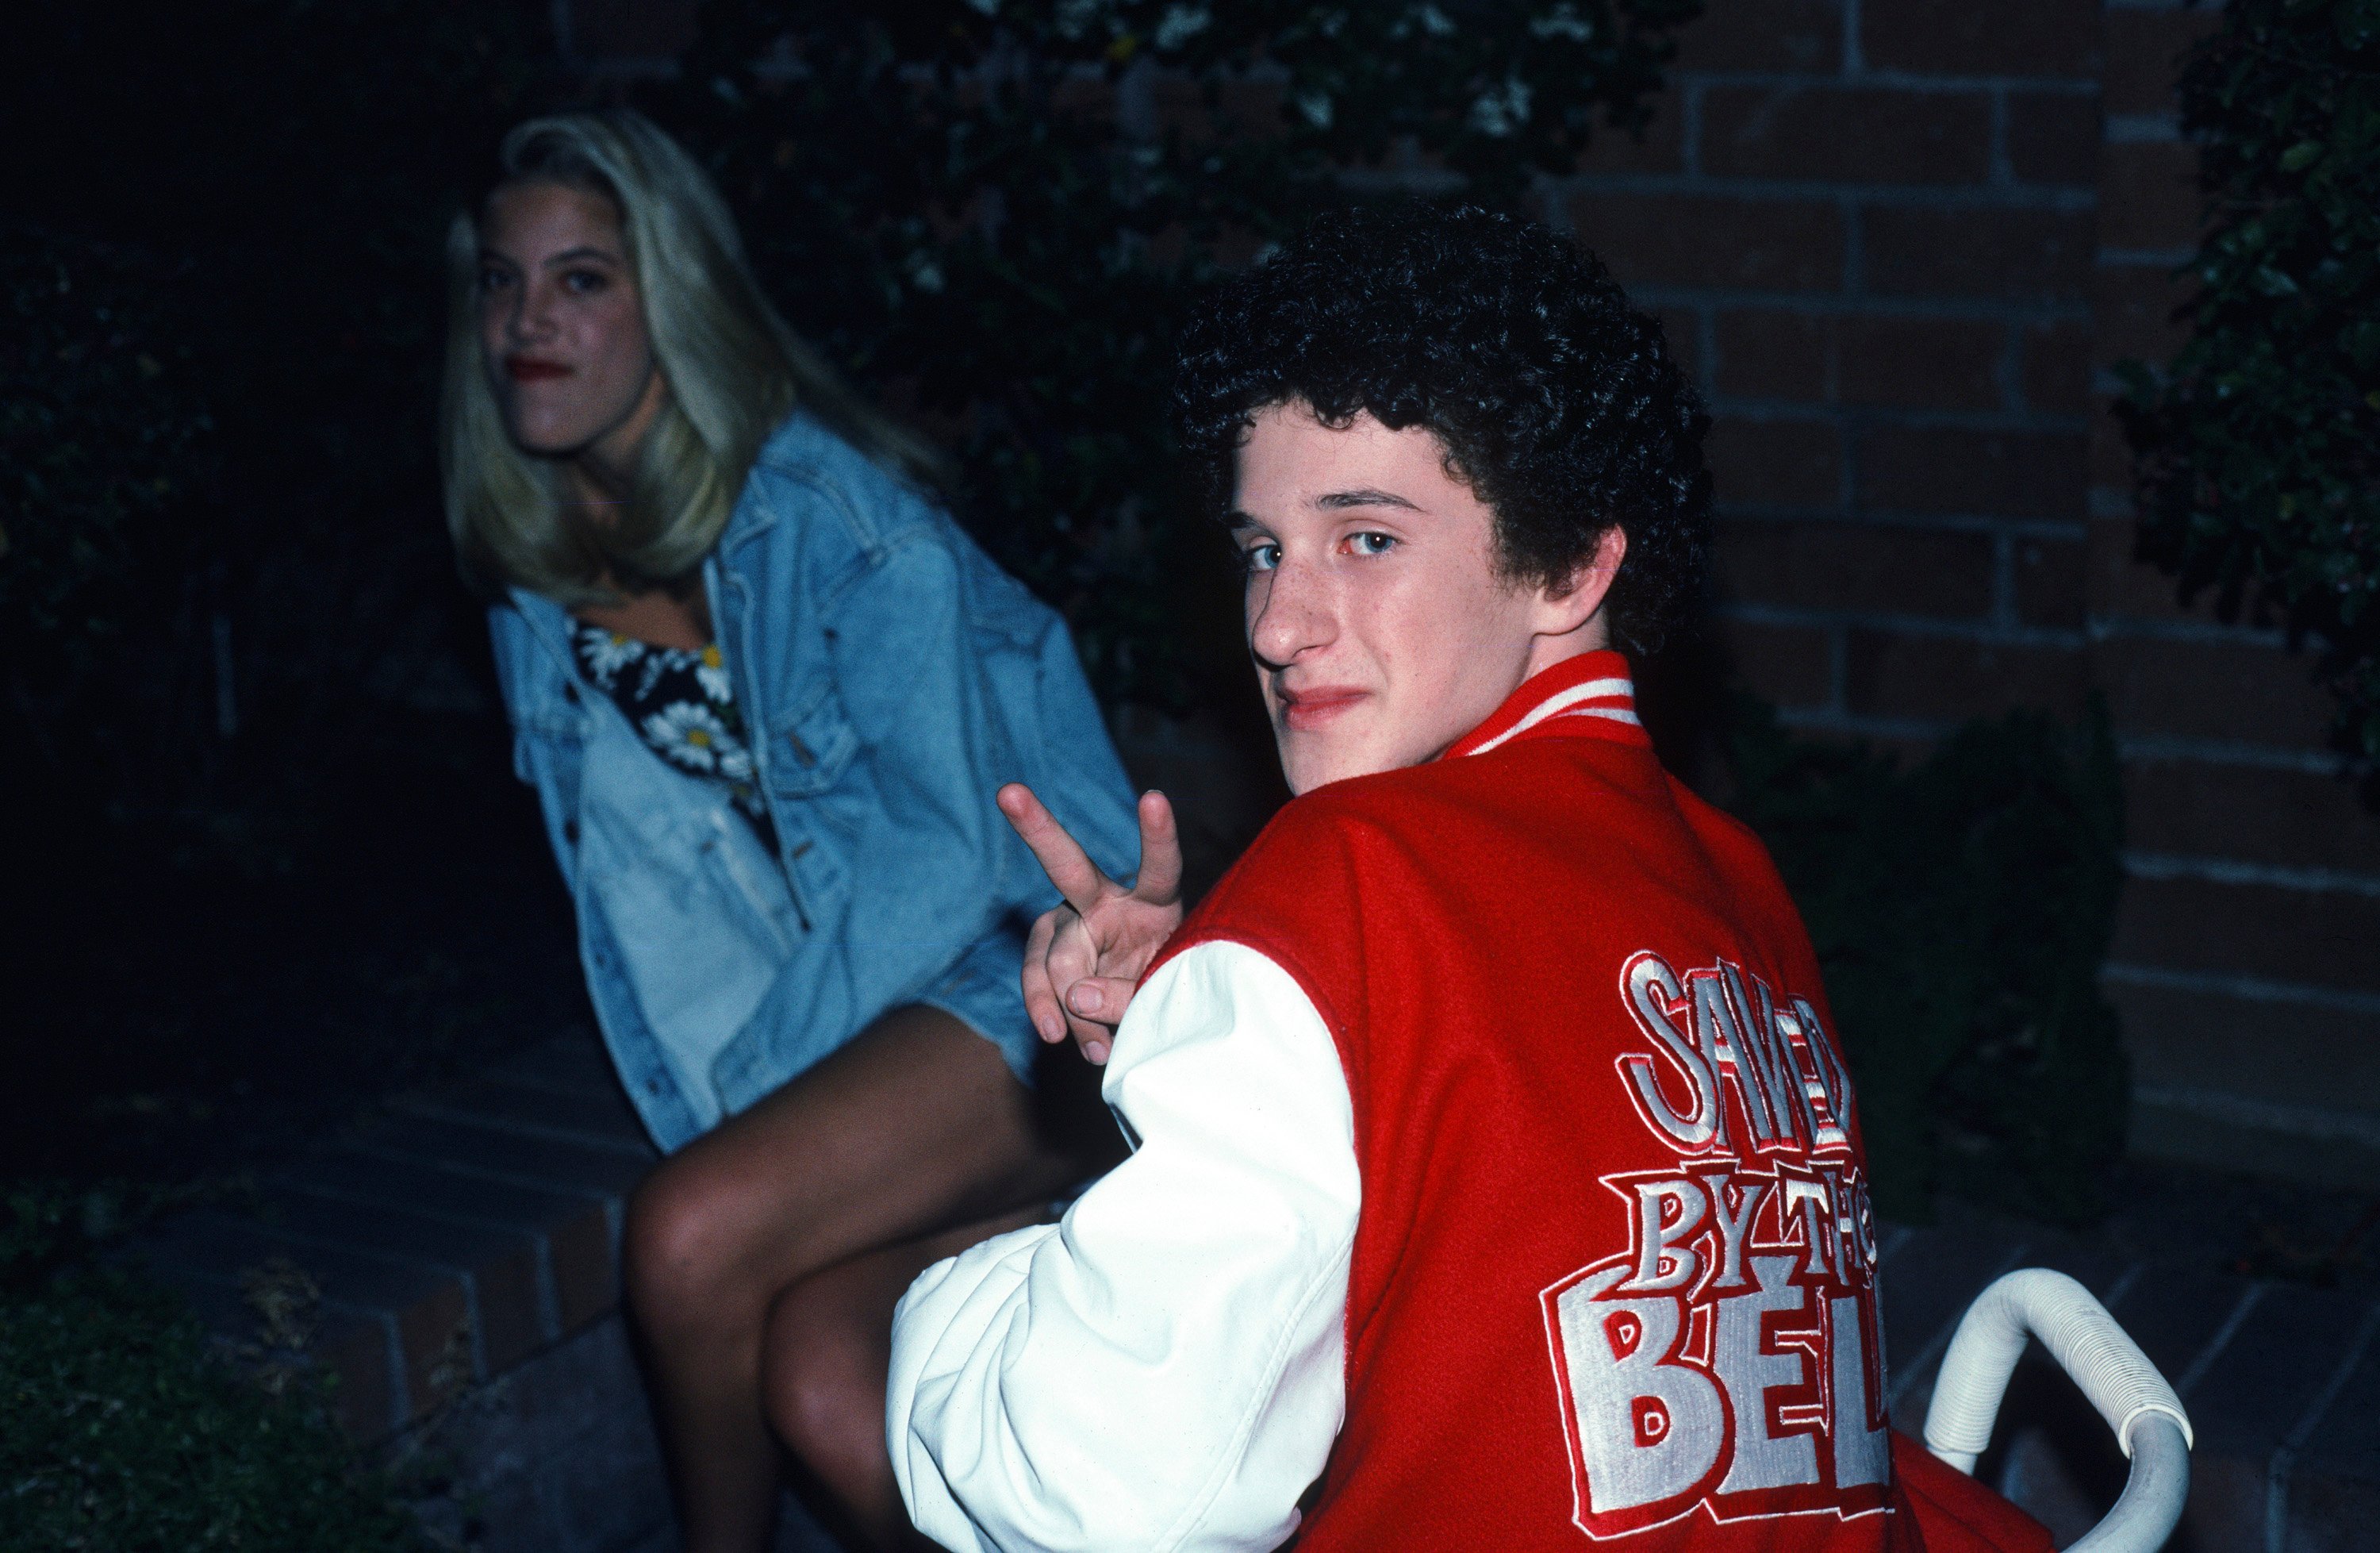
x,y
2284,1458
2249,1301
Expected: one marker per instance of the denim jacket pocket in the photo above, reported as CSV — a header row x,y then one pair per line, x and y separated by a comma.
x,y
808,750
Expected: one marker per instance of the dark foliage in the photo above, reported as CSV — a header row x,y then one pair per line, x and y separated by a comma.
x,y
1960,910
256,215
998,212
1558,401
120,1430
2258,445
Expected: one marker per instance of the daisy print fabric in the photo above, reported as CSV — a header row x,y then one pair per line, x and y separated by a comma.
x,y
680,703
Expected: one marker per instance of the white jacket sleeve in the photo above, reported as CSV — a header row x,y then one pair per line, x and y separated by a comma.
x,y
1162,1369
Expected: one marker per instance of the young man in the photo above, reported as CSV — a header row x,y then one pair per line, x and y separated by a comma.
x,y
1497,1181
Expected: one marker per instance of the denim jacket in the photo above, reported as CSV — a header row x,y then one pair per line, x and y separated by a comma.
x,y
890,678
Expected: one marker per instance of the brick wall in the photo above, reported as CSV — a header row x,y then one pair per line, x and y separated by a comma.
x,y
1901,243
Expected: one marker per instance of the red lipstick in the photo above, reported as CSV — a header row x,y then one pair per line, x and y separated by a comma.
x,y
528,369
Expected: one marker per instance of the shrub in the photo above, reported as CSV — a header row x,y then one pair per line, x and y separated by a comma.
x,y
120,1431
999,210
1960,910
2258,447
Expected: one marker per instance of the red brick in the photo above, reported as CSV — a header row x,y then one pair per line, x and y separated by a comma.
x,y
1796,36
1661,149
1869,567
2052,576
2144,49
2054,367
1848,135
502,1264
426,1305
585,1268
1949,679
2223,690
1796,463
353,1350
603,1118
1672,239
2284,819
2148,195
2320,938
2133,313
2286,1053
1950,469
2053,137
1790,665
2016,254
1766,354
1922,363
1959,38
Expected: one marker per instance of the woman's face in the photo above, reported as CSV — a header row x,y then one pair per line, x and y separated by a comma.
x,y
560,327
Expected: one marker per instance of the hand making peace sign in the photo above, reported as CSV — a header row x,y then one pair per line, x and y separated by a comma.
x,y
1084,957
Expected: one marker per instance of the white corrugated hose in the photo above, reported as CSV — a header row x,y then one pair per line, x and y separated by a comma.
x,y
2108,1367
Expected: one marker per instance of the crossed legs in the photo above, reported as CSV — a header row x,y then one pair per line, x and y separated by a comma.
x,y
885,1157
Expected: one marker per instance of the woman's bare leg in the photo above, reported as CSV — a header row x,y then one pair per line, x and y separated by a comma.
x,y
823,1367
915,1126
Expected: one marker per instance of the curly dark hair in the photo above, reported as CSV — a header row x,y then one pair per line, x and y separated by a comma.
x,y
1558,403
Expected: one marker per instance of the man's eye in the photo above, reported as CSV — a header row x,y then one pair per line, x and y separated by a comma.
x,y
1374,543
1261,557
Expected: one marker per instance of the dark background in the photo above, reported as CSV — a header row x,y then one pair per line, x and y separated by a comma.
x,y
264,855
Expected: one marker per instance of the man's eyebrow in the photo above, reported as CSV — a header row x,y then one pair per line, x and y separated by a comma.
x,y
1364,497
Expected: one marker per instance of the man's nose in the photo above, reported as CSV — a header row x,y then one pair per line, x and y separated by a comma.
x,y
1289,615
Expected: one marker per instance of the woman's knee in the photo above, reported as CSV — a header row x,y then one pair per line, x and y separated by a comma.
x,y
823,1385
685,1242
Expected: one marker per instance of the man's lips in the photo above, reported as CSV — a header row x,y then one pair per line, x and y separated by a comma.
x,y
1315,704
525,369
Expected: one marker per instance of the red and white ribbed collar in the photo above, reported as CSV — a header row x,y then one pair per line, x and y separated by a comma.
x,y
1589,696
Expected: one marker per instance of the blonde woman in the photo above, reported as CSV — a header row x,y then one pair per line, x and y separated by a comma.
x,y
765,690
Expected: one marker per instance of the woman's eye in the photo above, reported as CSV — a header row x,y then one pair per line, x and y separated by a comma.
x,y
1261,557
492,280
585,282
1374,543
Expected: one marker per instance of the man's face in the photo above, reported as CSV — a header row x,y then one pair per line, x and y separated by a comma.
x,y
1381,629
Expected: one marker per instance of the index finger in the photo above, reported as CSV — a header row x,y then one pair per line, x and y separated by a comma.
x,y
1069,867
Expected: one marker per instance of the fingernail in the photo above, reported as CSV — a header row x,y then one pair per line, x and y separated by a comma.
x,y
1051,1028
1083,999
1097,1051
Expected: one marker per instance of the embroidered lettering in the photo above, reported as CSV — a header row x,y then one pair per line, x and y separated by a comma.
x,y
1726,1360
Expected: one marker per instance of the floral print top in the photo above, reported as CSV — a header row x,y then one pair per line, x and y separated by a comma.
x,y
680,703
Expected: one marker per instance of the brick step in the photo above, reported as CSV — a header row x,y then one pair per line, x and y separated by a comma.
x,y
2281,1381
464,1249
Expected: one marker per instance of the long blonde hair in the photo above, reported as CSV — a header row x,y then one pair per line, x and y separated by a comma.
x,y
732,367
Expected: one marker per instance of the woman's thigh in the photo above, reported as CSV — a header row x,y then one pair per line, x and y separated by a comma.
x,y
915,1126
829,1346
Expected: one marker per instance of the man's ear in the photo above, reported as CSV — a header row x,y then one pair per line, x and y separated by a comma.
x,y
1578,602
